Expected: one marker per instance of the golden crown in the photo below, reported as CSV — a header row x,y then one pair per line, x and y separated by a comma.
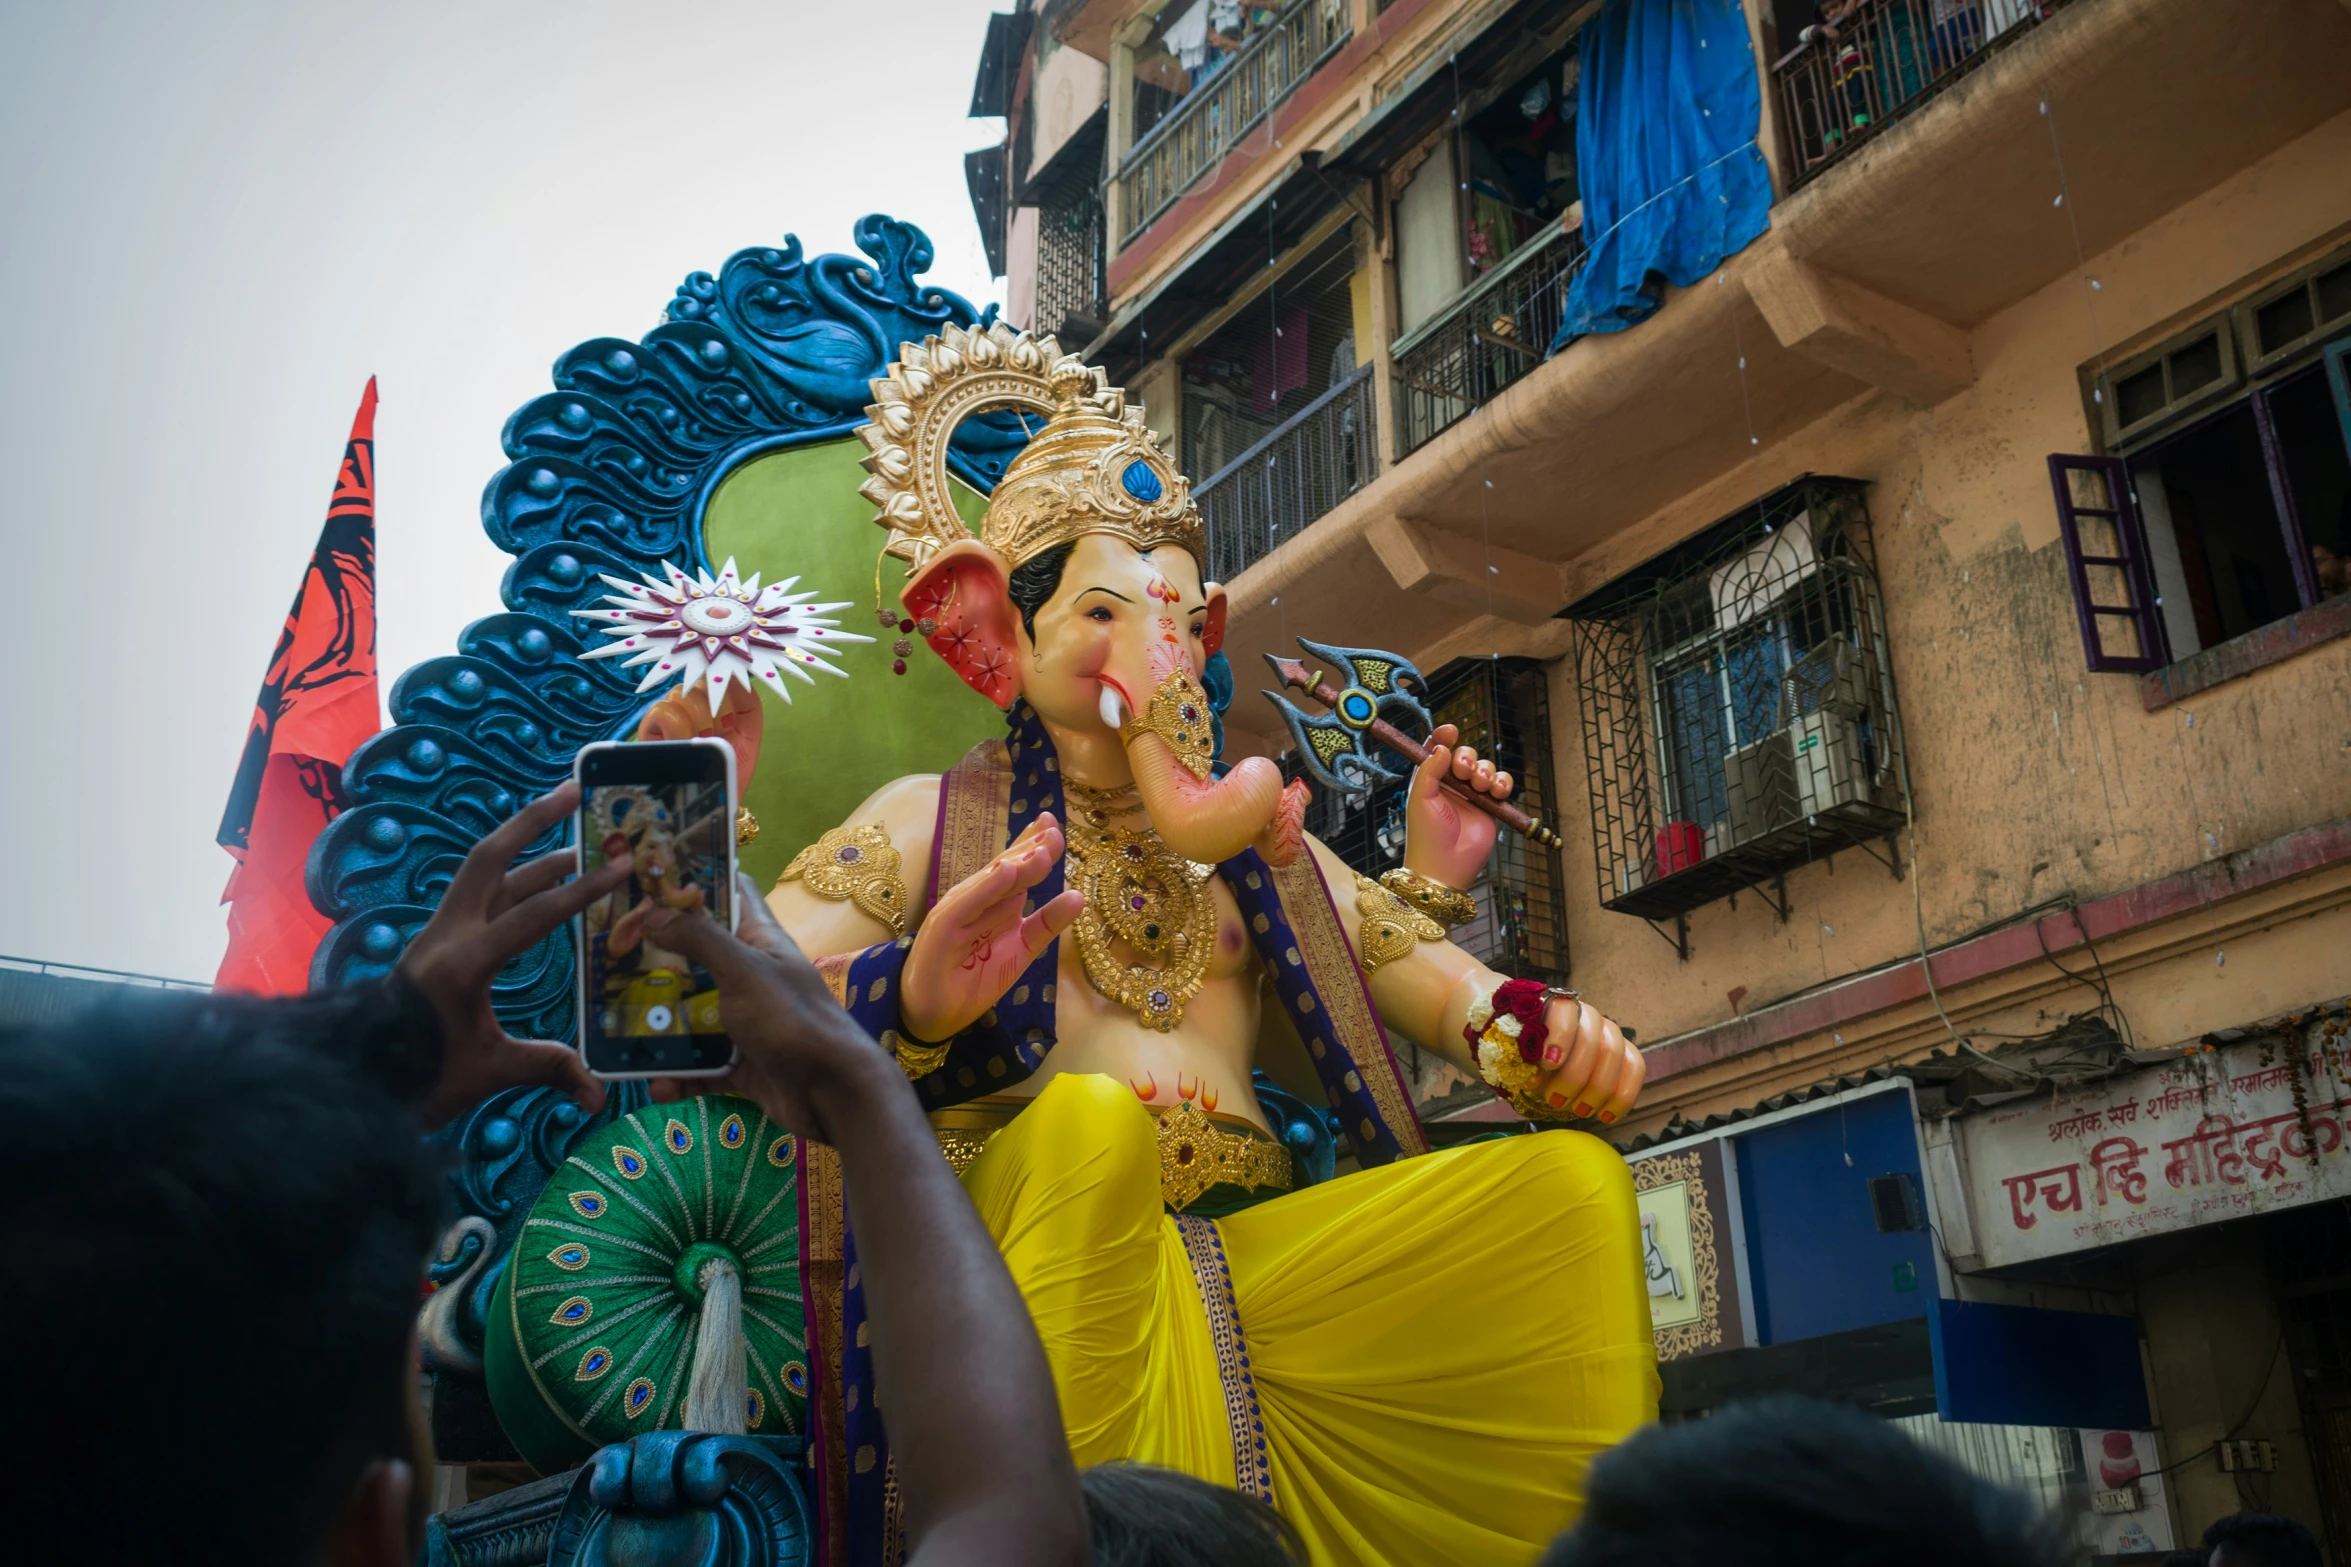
x,y
1093,467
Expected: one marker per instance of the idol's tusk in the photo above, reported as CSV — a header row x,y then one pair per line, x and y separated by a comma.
x,y
1113,711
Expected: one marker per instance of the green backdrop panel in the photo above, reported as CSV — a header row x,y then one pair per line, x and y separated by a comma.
x,y
798,513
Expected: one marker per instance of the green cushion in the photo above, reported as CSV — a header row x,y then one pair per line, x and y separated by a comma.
x,y
592,1334
797,513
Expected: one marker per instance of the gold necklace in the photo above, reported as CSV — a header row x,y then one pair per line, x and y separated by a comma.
x,y
1145,894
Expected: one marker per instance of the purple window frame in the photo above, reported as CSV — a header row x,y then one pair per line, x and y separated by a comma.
x,y
2137,571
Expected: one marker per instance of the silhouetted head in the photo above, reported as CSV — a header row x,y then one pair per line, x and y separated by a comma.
x,y
1149,1517
217,1234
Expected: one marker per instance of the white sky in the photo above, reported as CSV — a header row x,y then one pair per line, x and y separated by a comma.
x,y
217,220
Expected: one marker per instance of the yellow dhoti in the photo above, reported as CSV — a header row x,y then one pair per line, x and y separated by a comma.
x,y
1431,1352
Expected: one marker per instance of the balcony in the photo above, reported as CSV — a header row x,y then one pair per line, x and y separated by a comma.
x,y
1890,59
1198,131
1305,467
1494,333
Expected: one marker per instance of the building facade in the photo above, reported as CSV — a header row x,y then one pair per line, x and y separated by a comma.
x,y
1903,542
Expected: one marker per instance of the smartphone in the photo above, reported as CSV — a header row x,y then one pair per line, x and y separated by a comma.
x,y
669,805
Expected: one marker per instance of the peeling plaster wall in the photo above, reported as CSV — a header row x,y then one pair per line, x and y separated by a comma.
x,y
2032,777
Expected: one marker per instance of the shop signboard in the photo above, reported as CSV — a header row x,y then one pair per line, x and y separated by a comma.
x,y
2222,1132
1688,1251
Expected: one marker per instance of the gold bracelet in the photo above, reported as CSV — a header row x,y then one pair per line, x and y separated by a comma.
x,y
854,865
1446,905
1390,926
913,1059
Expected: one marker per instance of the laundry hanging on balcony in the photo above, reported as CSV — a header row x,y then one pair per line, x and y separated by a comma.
x,y
1671,177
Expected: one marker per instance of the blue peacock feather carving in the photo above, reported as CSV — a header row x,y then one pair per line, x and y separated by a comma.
x,y
609,472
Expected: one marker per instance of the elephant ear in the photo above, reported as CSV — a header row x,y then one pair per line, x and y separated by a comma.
x,y
1212,632
962,590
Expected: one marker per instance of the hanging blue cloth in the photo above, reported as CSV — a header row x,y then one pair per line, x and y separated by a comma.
x,y
1666,156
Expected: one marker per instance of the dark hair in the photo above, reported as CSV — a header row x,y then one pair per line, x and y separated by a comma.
x,y
1034,582
1796,1481
217,1229
2262,1540
1143,1516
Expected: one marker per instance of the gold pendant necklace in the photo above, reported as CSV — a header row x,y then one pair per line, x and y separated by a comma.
x,y
1143,893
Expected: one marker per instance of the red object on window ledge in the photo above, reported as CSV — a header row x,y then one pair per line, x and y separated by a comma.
x,y
1680,845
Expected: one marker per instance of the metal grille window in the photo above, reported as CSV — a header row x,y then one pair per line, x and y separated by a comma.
x,y
1738,706
1501,707
1070,302
1497,332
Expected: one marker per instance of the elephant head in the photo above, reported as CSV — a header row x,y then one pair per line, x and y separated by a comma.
x,y
1107,640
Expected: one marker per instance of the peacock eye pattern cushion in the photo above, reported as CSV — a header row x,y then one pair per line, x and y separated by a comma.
x,y
596,1315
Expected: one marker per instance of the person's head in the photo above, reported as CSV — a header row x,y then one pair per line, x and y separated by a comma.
x,y
1143,1516
2332,570
1794,1482
217,1236
2259,1540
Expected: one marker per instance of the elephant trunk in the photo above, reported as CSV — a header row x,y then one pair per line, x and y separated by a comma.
x,y
1204,819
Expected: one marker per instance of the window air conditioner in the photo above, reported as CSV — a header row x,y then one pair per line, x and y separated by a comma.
x,y
1829,679
1832,763
1761,782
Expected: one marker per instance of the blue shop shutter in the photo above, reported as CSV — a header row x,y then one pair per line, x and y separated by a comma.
x,y
2022,1366
1666,158
1815,1257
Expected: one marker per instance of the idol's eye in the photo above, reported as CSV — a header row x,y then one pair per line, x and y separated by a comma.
x,y
1099,613
1199,628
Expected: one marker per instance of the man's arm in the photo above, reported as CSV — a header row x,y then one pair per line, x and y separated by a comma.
x,y
974,1423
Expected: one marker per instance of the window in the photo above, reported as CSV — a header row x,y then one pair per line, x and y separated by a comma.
x,y
1738,703
2226,504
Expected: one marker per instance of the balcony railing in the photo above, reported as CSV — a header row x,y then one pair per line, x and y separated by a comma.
x,y
1199,130
1494,333
1311,462
1890,58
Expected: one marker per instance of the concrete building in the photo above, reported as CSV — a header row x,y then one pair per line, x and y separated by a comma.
x,y
1954,570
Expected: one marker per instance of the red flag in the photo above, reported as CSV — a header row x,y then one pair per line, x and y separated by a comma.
x,y
317,703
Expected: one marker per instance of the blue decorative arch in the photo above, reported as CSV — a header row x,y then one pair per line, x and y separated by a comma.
x,y
609,472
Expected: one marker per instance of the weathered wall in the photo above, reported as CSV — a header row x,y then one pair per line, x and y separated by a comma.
x,y
2215,1357
2032,778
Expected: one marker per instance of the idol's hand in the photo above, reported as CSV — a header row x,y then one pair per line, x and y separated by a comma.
x,y
684,714
1444,839
1589,1068
976,940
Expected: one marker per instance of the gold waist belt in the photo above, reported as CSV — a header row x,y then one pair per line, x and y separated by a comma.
x,y
1196,1150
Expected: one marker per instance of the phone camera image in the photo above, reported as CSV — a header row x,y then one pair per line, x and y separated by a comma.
x,y
648,1009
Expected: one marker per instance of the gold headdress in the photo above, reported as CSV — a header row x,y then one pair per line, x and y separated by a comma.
x,y
1093,468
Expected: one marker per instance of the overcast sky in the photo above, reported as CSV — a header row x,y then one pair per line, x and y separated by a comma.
x,y
217,220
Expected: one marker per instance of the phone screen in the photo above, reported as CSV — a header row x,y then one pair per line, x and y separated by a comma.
x,y
647,1011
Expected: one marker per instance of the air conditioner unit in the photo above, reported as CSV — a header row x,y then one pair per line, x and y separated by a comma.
x,y
1833,765
1829,679
1761,782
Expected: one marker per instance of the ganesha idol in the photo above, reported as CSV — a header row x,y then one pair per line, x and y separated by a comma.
x,y
1079,943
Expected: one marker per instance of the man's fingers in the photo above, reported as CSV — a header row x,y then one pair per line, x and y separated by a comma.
x,y
756,923
526,924
533,877
701,938
486,866
543,1063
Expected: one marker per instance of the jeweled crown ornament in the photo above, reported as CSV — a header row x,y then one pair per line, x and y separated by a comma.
x,y
1093,466
719,629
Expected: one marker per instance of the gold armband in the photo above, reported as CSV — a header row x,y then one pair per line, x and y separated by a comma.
x,y
854,865
913,1059
1390,926
1446,905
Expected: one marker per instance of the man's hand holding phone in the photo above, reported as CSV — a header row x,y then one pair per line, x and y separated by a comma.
x,y
494,912
799,1056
